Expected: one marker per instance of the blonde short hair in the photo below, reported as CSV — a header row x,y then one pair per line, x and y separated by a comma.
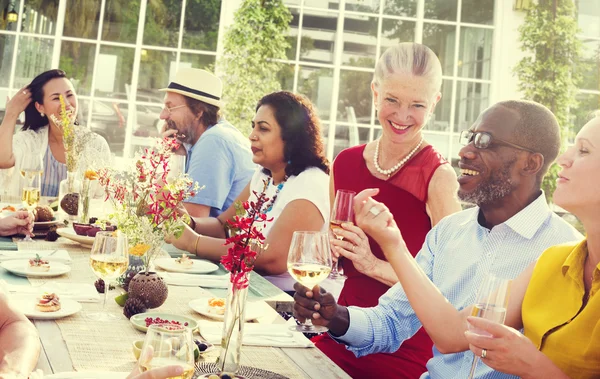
x,y
409,58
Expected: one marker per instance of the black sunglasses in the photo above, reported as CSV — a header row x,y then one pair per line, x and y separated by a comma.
x,y
483,140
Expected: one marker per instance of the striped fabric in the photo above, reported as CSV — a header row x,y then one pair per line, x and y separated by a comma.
x,y
54,173
457,254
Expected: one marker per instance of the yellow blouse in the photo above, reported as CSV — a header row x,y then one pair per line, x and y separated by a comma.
x,y
552,312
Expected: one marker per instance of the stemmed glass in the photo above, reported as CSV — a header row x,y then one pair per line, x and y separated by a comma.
x,y
31,170
490,304
342,212
309,262
109,261
176,165
168,345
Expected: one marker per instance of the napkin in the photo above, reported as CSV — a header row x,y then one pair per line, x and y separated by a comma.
x,y
6,243
275,335
195,280
81,292
61,256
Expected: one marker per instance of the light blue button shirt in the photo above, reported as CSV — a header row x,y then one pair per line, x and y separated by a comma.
x,y
457,254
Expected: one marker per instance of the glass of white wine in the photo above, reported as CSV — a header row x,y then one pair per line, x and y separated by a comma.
x,y
31,170
109,261
168,345
309,262
341,212
490,304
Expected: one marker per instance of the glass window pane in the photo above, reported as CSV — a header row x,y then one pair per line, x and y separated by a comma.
x,y
331,4
162,23
440,120
587,104
316,84
114,71
285,77
109,119
77,60
82,19
292,37
395,31
442,40
405,8
7,47
348,136
475,53
318,36
10,23
355,99
362,6
360,41
156,69
439,141
202,61
477,11
121,21
589,17
147,122
34,57
471,100
201,25
40,17
589,66
441,9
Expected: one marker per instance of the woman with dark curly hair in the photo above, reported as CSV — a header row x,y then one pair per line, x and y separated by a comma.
x,y
287,145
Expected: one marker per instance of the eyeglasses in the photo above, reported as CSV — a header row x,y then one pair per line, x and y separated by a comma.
x,y
483,140
170,110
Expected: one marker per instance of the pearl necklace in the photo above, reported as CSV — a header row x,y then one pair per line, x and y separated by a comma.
x,y
389,172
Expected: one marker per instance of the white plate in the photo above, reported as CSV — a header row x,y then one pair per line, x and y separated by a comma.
x,y
88,375
27,304
200,266
41,224
253,310
70,234
20,267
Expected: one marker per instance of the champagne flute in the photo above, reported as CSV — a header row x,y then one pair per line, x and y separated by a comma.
x,y
490,304
168,345
342,212
31,170
309,262
109,261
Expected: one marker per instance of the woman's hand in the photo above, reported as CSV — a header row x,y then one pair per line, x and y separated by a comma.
x,y
21,222
507,350
17,104
185,242
376,220
355,246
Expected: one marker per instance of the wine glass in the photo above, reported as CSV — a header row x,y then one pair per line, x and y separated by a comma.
x,y
309,262
109,261
31,170
176,165
490,304
342,212
168,345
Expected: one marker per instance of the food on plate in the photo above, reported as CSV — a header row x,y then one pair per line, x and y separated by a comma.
x,y
9,208
49,302
184,261
90,230
151,321
38,264
43,213
223,375
216,305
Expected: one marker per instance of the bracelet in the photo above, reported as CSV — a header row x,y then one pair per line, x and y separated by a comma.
x,y
196,245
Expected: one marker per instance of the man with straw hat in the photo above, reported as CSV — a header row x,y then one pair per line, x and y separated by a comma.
x,y
218,155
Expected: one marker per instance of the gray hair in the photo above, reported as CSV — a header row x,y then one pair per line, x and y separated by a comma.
x,y
409,58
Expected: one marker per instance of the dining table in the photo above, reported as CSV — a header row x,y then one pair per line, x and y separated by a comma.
x,y
76,343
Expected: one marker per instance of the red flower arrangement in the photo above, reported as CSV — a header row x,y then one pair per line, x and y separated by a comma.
x,y
246,238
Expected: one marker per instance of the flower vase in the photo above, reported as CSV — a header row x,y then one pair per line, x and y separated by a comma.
x,y
68,196
84,202
233,328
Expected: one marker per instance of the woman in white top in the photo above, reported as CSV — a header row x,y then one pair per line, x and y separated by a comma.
x,y
287,145
40,137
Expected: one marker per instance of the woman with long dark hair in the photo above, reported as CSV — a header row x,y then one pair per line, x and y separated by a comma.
x,y
40,136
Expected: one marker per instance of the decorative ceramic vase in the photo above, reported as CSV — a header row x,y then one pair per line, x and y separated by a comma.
x,y
233,329
150,288
68,196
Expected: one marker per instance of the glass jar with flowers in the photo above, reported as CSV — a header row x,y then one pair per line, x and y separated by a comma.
x,y
145,199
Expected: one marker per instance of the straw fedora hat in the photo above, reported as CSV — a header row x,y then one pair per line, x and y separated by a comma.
x,y
197,84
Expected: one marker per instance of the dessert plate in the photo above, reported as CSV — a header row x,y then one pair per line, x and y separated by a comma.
x,y
253,310
200,266
70,234
20,267
139,321
27,304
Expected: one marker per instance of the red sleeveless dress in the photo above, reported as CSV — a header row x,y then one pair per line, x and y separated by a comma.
x,y
405,194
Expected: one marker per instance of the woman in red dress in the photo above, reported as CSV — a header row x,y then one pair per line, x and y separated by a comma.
x,y
415,182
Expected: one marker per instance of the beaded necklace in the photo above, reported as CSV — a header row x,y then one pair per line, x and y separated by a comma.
x,y
269,205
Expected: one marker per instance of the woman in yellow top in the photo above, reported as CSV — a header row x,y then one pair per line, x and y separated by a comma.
x,y
555,300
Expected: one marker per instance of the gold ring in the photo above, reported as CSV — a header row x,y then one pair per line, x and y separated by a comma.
x,y
483,353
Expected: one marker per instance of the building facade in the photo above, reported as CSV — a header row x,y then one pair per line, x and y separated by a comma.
x,y
120,52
